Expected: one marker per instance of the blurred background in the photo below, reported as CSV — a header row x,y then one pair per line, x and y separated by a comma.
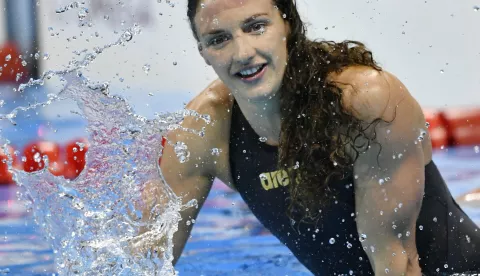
x,y
432,46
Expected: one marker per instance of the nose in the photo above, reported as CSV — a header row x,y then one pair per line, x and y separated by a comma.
x,y
244,51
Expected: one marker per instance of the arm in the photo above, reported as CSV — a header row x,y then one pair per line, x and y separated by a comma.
x,y
189,182
389,176
186,181
192,179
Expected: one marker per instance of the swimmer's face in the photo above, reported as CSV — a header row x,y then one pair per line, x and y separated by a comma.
x,y
245,43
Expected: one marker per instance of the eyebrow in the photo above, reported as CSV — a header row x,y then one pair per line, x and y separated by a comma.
x,y
246,21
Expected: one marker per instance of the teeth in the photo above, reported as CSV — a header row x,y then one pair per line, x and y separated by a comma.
x,y
250,71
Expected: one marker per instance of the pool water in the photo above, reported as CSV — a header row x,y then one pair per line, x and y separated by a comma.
x,y
226,240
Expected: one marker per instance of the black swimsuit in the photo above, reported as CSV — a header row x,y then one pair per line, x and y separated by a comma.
x,y
447,239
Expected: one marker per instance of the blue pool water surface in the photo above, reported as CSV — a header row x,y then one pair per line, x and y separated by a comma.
x,y
226,240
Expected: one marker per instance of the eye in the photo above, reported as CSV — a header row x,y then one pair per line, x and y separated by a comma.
x,y
217,40
258,27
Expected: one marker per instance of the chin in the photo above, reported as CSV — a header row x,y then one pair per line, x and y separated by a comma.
x,y
264,95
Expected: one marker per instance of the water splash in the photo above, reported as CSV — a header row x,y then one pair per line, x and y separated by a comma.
x,y
73,5
119,215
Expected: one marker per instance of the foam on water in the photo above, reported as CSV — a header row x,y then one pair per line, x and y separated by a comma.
x,y
114,217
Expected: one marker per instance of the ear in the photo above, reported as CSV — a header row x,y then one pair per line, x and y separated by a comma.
x,y
200,50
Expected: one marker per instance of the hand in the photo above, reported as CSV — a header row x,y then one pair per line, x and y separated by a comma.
x,y
151,240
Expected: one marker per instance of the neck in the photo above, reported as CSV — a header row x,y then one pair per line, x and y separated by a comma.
x,y
263,116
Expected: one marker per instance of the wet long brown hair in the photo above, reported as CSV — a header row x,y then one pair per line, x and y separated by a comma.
x,y
316,129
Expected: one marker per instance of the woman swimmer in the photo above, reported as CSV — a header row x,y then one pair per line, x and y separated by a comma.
x,y
329,151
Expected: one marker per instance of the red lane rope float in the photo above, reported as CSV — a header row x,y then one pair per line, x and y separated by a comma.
x,y
34,153
5,175
75,154
13,71
463,125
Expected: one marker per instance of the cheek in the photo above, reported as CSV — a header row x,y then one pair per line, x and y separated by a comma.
x,y
218,60
280,53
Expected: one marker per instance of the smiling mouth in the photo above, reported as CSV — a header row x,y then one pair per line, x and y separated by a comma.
x,y
250,73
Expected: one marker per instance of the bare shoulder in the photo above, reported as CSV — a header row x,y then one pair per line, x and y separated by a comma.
x,y
216,98
370,94
215,101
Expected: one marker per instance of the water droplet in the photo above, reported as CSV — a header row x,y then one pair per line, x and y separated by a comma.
x,y
332,241
407,234
216,151
420,227
427,124
37,158
78,204
349,245
381,181
476,149
8,57
182,152
175,63
461,220
46,56
262,139
435,219
387,270
127,36
362,237
446,266
442,71
106,17
284,16
476,8
146,68
82,13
